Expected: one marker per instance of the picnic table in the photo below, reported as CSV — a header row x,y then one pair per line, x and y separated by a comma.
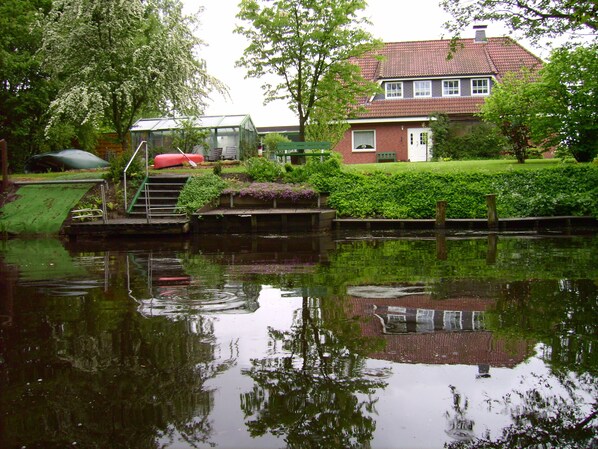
x,y
286,150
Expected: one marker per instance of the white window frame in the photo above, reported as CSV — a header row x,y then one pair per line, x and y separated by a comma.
x,y
363,150
453,320
445,88
388,93
486,93
417,91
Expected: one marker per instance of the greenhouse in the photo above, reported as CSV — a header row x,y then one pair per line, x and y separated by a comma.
x,y
232,137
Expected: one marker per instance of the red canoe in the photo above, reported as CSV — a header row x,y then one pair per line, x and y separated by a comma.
x,y
174,159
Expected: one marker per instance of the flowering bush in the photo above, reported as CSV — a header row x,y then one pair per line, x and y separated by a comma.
x,y
269,191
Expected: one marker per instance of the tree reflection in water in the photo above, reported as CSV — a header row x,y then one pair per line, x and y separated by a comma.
x,y
561,414
88,371
560,410
313,388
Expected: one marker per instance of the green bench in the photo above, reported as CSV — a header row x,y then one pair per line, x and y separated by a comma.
x,y
388,156
309,149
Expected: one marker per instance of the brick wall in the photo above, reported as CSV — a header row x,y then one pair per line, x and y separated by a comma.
x,y
389,137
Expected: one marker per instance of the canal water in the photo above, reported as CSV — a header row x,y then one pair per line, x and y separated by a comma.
x,y
342,341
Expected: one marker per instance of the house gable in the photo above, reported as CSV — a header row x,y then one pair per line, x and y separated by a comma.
x,y
472,67
419,79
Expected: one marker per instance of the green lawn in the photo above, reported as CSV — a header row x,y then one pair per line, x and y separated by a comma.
x,y
486,166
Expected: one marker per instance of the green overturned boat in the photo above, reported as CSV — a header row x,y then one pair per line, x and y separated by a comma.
x,y
71,159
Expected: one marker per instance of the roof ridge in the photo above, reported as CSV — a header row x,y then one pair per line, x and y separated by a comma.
x,y
463,39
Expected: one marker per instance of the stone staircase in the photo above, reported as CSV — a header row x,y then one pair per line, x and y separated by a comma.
x,y
162,196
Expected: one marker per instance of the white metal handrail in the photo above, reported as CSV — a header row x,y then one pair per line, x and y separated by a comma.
x,y
79,214
142,143
148,208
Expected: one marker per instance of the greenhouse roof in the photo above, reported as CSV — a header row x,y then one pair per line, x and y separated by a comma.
x,y
204,121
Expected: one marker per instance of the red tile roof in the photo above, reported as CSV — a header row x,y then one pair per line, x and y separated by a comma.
x,y
426,59
418,107
422,59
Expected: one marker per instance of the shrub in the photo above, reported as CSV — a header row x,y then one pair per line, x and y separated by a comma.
x,y
271,142
118,164
199,191
564,190
319,174
459,141
217,170
261,169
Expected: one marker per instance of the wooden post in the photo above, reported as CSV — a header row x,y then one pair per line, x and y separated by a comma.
x,y
440,214
492,215
441,250
4,166
492,249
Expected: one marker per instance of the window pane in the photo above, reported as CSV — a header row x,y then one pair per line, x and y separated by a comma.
x,y
450,88
425,320
422,88
394,90
452,320
479,87
363,140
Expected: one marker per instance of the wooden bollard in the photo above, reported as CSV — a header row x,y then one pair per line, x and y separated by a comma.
x,y
492,249
440,214
441,250
492,215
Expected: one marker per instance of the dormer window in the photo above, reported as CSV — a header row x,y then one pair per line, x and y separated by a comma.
x,y
480,86
422,89
451,88
394,89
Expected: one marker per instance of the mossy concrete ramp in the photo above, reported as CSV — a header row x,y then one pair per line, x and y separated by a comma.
x,y
41,208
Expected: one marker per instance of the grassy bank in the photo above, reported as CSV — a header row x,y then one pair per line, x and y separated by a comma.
x,y
389,190
40,209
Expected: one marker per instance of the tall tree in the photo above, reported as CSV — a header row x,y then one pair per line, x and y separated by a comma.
x,y
118,59
512,107
307,45
535,19
569,102
25,90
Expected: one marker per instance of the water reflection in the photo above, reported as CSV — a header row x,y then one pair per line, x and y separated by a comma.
x,y
299,342
417,328
312,387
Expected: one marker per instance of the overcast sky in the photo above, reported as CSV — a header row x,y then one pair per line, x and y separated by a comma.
x,y
392,21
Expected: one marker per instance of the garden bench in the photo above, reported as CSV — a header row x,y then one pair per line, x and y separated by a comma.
x,y
388,156
309,149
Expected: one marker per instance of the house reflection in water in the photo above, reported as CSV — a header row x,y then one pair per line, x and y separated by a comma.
x,y
420,329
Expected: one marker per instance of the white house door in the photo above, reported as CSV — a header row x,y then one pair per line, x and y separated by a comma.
x,y
419,144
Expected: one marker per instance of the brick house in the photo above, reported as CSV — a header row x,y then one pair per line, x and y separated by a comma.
x,y
416,81
417,328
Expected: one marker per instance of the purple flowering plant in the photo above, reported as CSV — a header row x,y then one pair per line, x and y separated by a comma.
x,y
269,191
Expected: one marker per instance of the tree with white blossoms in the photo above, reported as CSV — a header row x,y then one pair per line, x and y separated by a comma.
x,y
120,59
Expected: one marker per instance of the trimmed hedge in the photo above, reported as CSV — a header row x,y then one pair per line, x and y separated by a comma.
x,y
562,190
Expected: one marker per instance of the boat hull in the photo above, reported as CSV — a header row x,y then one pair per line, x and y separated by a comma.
x,y
174,160
71,159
